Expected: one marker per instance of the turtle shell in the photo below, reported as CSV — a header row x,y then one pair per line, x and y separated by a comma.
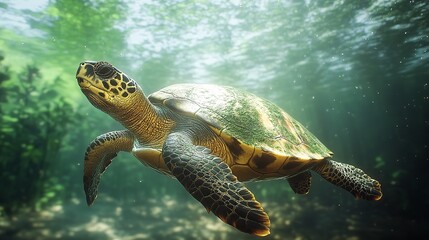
x,y
260,135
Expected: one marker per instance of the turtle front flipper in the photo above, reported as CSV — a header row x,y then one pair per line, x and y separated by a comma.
x,y
351,178
212,183
99,155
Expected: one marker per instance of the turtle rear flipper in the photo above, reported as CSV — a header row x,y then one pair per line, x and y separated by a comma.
x,y
212,183
300,183
351,178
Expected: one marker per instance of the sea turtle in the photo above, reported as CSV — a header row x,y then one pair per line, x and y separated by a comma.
x,y
210,138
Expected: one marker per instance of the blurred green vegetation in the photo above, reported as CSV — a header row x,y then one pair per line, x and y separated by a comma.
x,y
35,118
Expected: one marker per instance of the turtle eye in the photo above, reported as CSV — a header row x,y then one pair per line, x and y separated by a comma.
x,y
104,70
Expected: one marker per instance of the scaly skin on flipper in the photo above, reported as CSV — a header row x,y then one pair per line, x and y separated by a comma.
x,y
300,183
211,182
99,155
351,178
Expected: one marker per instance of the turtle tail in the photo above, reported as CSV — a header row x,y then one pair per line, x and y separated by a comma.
x,y
350,178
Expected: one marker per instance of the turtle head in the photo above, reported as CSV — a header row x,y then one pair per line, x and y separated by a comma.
x,y
106,87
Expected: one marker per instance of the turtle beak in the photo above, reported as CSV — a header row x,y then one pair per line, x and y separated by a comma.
x,y
85,71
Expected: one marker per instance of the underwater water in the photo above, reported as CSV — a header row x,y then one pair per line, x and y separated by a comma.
x,y
355,74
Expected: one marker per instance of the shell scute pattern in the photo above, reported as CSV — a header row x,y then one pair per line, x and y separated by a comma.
x,y
259,134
